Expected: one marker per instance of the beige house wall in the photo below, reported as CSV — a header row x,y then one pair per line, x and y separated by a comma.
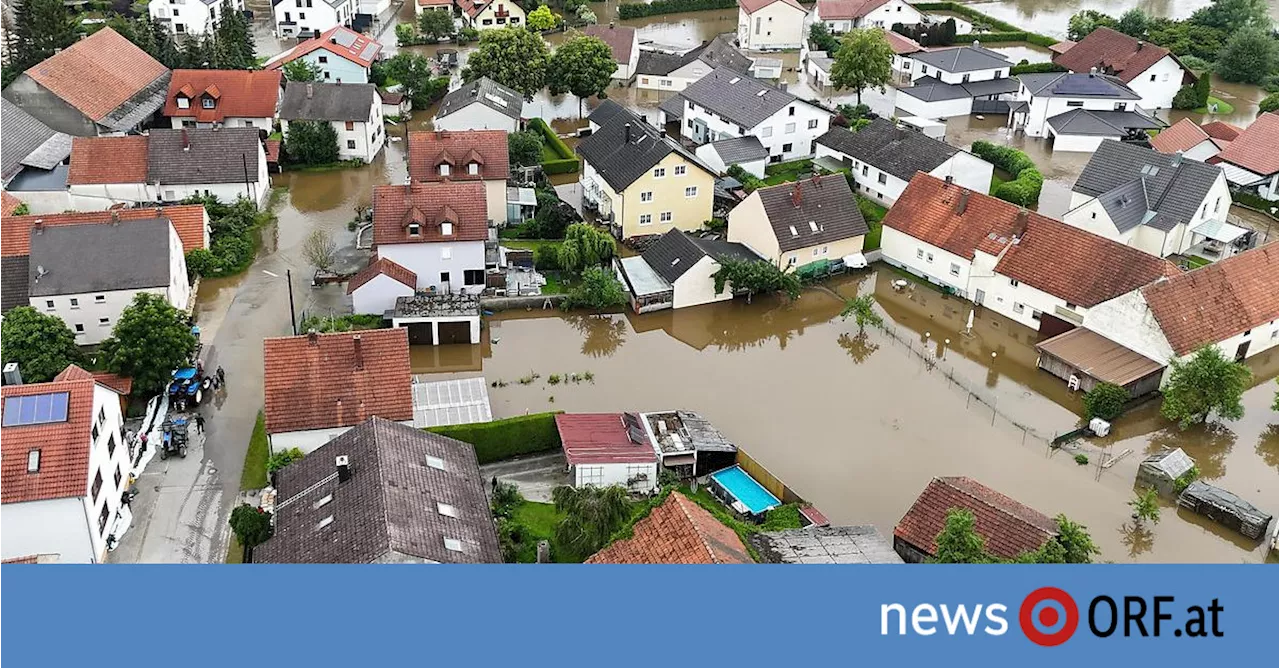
x,y
687,213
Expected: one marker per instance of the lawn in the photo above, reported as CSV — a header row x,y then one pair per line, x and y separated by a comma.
x,y
1195,261
254,475
785,172
1224,108
549,153
539,521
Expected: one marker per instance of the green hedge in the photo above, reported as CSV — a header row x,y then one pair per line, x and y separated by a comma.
x,y
998,31
1035,68
641,10
1002,36
568,161
1025,187
504,439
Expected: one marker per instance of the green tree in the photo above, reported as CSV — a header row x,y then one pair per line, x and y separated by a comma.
x,y
524,147
198,53
436,24
821,39
1076,541
1232,15
585,246
41,344
414,72
863,311
166,50
1134,23
234,47
1204,385
591,516
279,460
1146,507
959,542
42,27
150,340
582,65
513,57
1269,104
585,16
311,143
542,19
1202,89
1186,98
1249,56
1105,400
598,290
252,527
1082,23
301,70
864,61
755,277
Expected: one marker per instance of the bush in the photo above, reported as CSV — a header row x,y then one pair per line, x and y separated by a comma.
x,y
1105,401
233,245
503,439
1186,98
566,161
641,10
1024,189
1082,459
1011,36
1269,103
1183,481
282,459
1035,68
1195,64
547,257
342,323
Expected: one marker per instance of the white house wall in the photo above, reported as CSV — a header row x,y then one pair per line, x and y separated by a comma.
x,y
262,123
1075,143
1041,109
54,526
772,132
938,110
428,261
101,196
778,26
88,314
378,295
895,11
316,18
476,116
925,260
108,456
606,475
697,286
1158,84
923,69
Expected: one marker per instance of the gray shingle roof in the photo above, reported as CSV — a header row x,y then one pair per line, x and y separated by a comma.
x,y
962,59
826,204
1100,123
214,156
930,89
656,63
719,52
1067,84
737,97
76,259
486,91
144,104
677,251
620,162
1175,187
1126,205
740,149
674,106
722,53
825,545
13,282
885,146
607,111
328,101
27,141
390,510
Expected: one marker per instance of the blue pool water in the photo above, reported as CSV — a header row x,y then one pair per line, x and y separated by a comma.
x,y
744,488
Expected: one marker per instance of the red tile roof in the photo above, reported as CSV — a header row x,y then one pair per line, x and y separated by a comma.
x,y
1181,136
1115,53
434,3
382,267
323,381
753,6
108,160
273,150
357,51
429,150
600,438
8,203
928,210
621,39
121,384
429,205
1257,149
815,516
1008,527
1217,301
901,44
846,9
1061,47
64,446
1221,130
237,93
188,219
97,74
677,532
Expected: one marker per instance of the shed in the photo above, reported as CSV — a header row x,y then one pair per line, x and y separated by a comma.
x,y
436,319
1090,358
602,449
1162,470
1225,508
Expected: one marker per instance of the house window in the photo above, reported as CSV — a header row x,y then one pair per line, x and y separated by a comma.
x,y
786,148
1122,106
473,168
104,322
1075,103
1071,306
766,132
691,191
351,143
790,128
487,22
184,103
955,269
928,257
591,475
680,170
79,328
919,253
646,218
1035,315
97,485
446,229
99,299
882,178
1018,308
473,277
93,433
791,111
646,196
323,59
666,83
665,217
791,261
813,123
75,303
119,476
351,125
644,81
1153,77
1013,282
446,509
446,253
659,172
444,170
1216,204
302,16
102,519
414,229
444,277
111,445
48,304
207,102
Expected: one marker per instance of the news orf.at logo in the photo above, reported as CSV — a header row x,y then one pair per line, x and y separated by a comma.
x,y
1048,616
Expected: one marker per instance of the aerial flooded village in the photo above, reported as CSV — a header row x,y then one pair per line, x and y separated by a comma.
x,y
692,281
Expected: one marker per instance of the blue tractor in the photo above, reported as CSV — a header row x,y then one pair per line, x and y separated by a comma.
x,y
186,390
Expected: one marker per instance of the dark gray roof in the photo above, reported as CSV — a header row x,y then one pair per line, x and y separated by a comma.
x,y
13,282
1175,187
328,101
1126,205
607,111
214,155
930,89
486,91
1077,85
825,545
737,97
390,509
677,251
620,162
722,53
990,87
740,149
142,106
719,52
40,180
98,257
962,59
1101,123
674,106
27,141
826,204
885,146
656,63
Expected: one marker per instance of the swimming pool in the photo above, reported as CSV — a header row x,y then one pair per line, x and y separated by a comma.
x,y
745,489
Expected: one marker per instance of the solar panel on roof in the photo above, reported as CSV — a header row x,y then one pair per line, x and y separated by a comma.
x,y
35,409
1084,85
369,50
344,38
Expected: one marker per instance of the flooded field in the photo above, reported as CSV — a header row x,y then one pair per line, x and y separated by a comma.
x,y
1049,17
859,424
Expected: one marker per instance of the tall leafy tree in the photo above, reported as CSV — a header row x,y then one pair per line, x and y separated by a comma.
x,y
864,61
524,147
198,53
233,40
863,311
150,340
1207,384
591,516
301,70
42,27
252,527
1232,15
1146,507
959,541
513,57
542,18
1082,23
598,289
582,65
311,143
755,277
1134,23
413,71
436,24
166,50
585,246
41,344
1249,56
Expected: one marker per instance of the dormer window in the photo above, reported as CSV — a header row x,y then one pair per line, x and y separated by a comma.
x,y
207,102
184,102
444,170
473,169
446,229
414,230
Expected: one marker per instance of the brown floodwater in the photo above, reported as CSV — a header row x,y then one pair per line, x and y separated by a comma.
x,y
1050,17
858,424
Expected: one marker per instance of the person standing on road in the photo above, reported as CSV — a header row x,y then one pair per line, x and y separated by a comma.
x,y
199,423
222,377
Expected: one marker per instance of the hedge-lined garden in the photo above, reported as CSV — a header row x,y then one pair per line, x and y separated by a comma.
x,y
1027,181
998,31
504,439
557,157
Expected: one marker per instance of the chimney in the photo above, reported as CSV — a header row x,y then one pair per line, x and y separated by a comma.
x,y
976,44
359,352
816,180
311,91
38,226
795,195
963,203
343,463
313,337
949,179
115,217
1093,71
626,133
1020,223
12,376
611,25
1176,159
1140,43
186,140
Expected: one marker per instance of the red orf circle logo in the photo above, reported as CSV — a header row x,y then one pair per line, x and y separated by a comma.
x,y
1048,616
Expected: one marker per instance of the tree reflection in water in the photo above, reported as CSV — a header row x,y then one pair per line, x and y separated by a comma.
x,y
1207,444
1268,447
1138,538
602,335
858,346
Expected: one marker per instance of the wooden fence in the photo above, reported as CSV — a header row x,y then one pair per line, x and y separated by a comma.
x,y
767,479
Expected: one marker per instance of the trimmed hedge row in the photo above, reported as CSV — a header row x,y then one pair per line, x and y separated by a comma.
x,y
1035,68
641,10
504,439
1025,187
568,161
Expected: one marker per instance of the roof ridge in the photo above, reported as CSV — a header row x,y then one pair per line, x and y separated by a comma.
x,y
948,479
